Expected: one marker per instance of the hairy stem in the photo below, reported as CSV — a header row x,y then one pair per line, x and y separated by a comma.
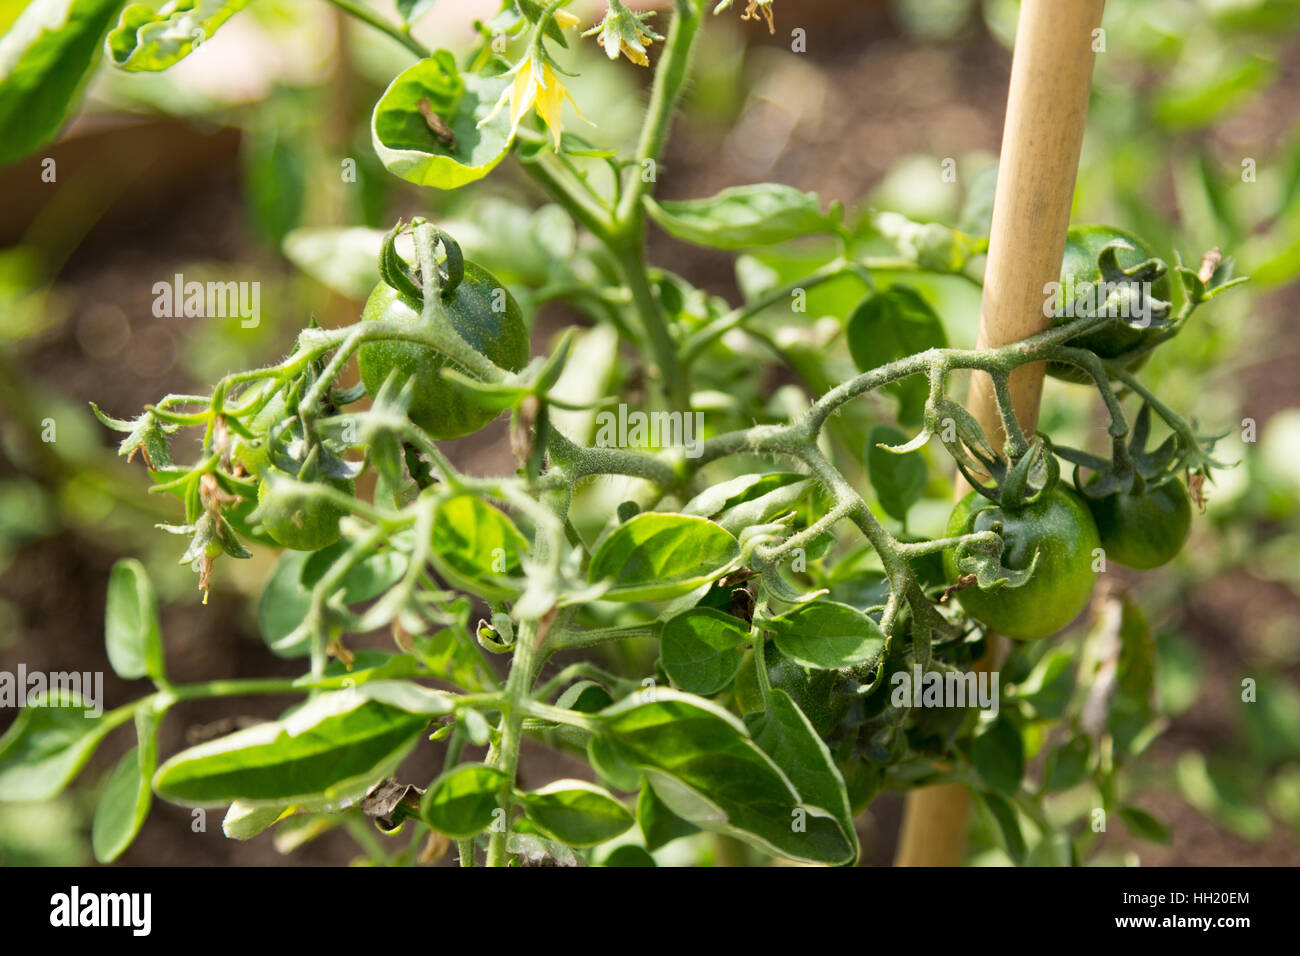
x,y
401,34
630,257
505,757
670,78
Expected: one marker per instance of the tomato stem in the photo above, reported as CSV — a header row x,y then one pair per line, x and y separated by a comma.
x,y
401,35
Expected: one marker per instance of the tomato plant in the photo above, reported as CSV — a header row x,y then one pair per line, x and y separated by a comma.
x,y
769,554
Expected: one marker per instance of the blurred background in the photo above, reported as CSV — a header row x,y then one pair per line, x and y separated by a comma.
x,y
225,164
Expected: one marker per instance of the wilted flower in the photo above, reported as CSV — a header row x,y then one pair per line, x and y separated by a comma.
x,y
623,31
752,10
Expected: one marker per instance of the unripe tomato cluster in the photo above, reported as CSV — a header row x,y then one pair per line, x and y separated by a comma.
x,y
1142,528
480,309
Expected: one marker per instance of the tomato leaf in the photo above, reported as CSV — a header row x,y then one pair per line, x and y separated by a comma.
x,y
1144,826
367,579
701,649
898,480
576,812
413,10
274,166
463,801
131,630
1049,685
744,216
787,736
998,753
344,260
614,763
586,697
334,747
1132,706
286,599
766,507
126,799
655,557
1271,724
826,635
476,547
45,58
459,152
1215,791
148,41
706,768
659,825
890,325
1007,822
629,854
244,821
284,605
447,654
726,495
48,744
1067,765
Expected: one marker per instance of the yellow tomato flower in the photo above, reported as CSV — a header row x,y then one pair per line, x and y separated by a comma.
x,y
623,31
636,56
536,86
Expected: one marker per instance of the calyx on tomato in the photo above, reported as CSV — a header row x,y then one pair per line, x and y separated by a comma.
x,y
1132,466
1047,553
1009,481
1106,270
477,306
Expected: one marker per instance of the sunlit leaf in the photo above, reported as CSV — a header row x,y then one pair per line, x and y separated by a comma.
x,y
441,144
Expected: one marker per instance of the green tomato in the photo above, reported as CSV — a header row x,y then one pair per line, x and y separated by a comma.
x,y
254,453
296,519
437,406
1079,267
1146,530
1059,528
813,691
241,518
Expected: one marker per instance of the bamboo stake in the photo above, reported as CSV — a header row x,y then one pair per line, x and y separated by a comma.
x,y
1051,75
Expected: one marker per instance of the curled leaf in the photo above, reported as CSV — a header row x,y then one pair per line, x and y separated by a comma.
x,y
411,149
149,41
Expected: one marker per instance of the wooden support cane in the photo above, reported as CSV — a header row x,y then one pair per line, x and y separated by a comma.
x,y
1051,75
